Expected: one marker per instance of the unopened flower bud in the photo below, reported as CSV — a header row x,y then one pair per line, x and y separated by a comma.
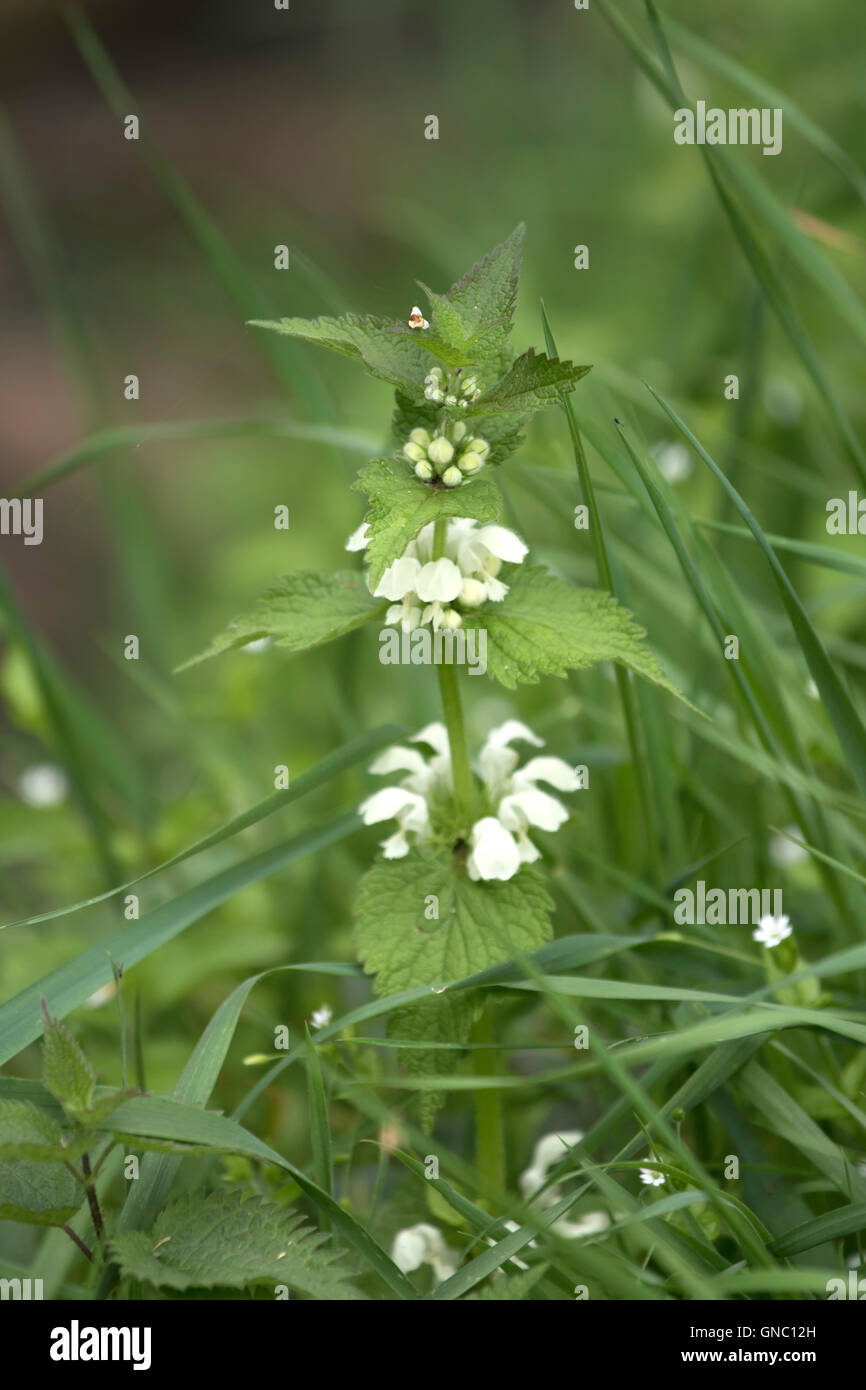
x,y
451,618
413,452
450,400
478,446
420,436
424,471
472,593
441,450
470,462
452,476
458,429
469,386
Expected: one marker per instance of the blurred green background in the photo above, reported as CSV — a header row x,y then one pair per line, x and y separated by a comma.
x,y
306,128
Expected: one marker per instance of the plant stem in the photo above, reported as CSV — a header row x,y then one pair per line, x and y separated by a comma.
x,y
78,1241
464,785
489,1118
92,1199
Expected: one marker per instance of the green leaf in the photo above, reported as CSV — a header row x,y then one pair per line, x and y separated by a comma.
x,y
447,1019
484,299
479,924
379,344
544,627
28,1132
303,610
532,382
33,1189
224,1240
401,505
510,1287
66,1072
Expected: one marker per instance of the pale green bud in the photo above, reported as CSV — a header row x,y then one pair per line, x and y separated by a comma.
x,y
451,619
450,400
424,471
470,462
452,476
458,429
472,593
478,446
440,450
469,385
421,437
413,452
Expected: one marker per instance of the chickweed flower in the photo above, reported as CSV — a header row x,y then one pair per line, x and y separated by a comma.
x,y
322,1016
510,797
651,1177
423,590
771,931
447,456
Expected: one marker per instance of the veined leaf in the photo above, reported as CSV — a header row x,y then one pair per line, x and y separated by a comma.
x,y
401,505
66,1072
533,381
303,610
486,295
227,1241
544,627
379,344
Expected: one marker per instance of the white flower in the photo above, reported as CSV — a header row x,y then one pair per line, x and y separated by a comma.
x,y
652,1177
770,931
360,539
43,785
421,590
101,996
322,1016
549,1150
500,843
423,1244
417,319
408,803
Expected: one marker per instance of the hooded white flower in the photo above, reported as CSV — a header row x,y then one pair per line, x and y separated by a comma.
x,y
408,803
423,1244
770,931
549,1150
500,843
422,590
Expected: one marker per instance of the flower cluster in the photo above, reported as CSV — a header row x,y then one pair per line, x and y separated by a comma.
x,y
499,843
448,456
454,389
423,590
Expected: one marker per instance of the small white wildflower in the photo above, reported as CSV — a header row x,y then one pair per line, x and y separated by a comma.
x,y
424,1244
417,319
322,1016
43,785
360,539
783,852
652,1177
770,931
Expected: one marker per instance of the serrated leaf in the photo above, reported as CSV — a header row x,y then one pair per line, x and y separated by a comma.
x,y
506,1287
228,1241
401,505
479,924
303,610
531,382
34,1190
384,346
66,1072
484,299
544,627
